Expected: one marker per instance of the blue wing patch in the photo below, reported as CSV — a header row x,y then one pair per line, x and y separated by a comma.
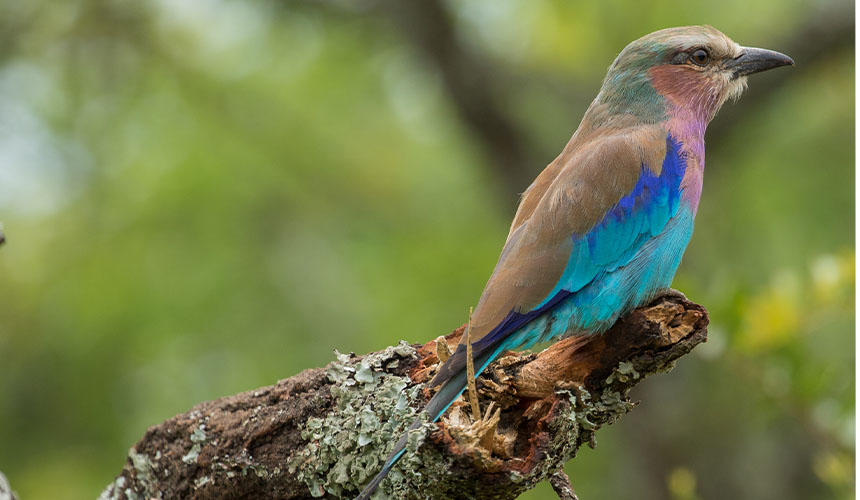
x,y
621,262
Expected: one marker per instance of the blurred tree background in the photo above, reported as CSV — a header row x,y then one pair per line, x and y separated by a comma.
x,y
202,197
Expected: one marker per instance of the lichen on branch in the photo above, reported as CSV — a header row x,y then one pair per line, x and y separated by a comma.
x,y
325,432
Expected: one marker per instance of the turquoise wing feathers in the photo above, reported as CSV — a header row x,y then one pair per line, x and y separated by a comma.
x,y
568,267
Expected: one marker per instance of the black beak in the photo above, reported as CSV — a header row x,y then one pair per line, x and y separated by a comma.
x,y
756,60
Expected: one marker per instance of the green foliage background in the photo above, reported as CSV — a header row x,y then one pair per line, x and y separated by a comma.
x,y
203,197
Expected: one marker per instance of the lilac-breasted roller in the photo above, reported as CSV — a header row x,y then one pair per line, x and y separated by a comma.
x,y
602,229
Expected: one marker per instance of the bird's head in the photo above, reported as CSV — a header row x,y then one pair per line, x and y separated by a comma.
x,y
689,71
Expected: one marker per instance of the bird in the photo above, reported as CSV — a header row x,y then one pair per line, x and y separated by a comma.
x,y
603,227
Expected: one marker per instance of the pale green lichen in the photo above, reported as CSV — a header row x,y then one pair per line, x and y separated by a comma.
x,y
425,466
145,482
240,465
372,408
624,372
198,437
590,414
113,490
612,405
191,457
375,406
575,423
199,434
371,403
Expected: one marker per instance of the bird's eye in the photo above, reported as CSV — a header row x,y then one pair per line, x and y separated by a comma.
x,y
700,57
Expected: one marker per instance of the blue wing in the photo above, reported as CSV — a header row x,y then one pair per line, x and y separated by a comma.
x,y
620,263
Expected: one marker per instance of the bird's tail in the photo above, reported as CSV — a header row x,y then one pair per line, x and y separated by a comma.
x,y
437,405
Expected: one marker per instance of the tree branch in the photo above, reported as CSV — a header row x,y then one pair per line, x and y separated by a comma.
x,y
562,487
325,431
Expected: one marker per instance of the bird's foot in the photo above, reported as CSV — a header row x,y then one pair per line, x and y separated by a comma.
x,y
482,431
470,370
485,429
479,433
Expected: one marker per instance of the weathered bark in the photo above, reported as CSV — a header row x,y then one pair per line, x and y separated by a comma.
x,y
325,431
